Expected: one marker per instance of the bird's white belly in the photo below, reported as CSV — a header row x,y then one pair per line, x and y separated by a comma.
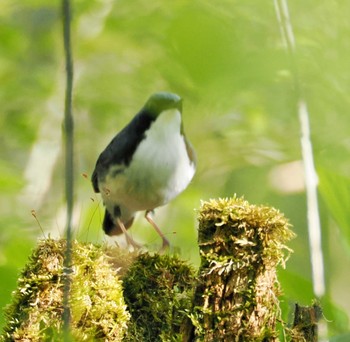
x,y
159,173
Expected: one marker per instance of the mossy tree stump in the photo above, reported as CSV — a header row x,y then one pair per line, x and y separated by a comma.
x,y
96,301
237,295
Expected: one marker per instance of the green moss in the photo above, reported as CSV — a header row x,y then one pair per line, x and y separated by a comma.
x,y
117,295
158,290
237,295
256,228
97,304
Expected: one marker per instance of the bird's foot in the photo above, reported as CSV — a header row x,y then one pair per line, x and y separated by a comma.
x,y
128,238
131,242
165,246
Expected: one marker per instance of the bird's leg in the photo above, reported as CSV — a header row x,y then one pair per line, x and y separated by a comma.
x,y
154,225
129,239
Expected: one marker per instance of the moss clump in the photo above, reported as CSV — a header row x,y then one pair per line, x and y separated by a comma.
x,y
240,246
250,233
158,290
97,304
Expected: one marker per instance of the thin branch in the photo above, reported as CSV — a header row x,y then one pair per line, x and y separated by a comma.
x,y
69,167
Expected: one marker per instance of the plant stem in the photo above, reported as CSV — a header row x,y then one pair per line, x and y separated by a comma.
x,y
69,167
311,179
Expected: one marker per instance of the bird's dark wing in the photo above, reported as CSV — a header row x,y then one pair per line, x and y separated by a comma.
x,y
122,147
94,181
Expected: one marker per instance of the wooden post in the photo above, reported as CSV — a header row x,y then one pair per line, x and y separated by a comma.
x,y
305,323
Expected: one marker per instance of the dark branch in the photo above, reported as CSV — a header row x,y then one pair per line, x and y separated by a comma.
x,y
69,167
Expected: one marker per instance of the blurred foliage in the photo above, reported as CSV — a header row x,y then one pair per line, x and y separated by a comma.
x,y
228,63
335,190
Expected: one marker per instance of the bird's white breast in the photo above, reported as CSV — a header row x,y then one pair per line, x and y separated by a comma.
x,y
161,164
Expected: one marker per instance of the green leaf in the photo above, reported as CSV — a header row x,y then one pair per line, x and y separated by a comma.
x,y
340,338
335,191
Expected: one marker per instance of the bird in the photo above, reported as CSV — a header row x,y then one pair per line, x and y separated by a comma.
x,y
146,165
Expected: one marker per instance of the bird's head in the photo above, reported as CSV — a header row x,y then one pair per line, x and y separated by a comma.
x,y
162,101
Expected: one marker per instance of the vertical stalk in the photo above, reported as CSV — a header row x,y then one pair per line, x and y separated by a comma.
x,y
311,180
69,167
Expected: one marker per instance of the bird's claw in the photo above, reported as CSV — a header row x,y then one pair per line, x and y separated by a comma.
x,y
165,246
131,242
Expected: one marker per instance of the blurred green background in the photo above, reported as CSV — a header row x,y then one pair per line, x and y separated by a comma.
x,y
227,61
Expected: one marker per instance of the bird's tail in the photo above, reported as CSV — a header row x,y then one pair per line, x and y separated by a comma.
x,y
111,227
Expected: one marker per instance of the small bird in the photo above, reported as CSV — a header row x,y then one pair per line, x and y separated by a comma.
x,y
147,164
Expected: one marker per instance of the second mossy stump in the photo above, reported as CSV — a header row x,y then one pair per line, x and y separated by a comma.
x,y
237,294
